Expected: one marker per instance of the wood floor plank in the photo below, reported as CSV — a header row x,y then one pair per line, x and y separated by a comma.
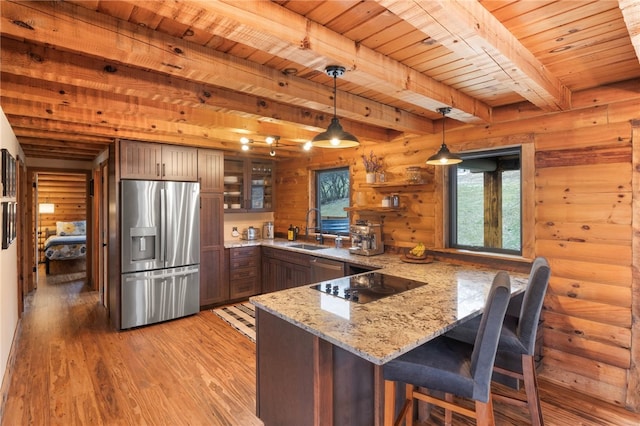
x,y
72,369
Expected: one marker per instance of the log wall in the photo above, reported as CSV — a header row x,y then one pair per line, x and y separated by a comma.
x,y
583,213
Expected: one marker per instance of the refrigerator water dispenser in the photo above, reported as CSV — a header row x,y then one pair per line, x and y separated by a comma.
x,y
143,244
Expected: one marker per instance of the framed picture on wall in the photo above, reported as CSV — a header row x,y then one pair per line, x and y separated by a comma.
x,y
5,173
12,177
9,181
5,224
14,220
9,216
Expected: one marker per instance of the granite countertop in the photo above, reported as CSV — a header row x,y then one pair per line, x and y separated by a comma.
x,y
382,330
330,252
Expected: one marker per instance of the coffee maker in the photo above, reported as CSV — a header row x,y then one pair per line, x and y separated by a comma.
x,y
366,238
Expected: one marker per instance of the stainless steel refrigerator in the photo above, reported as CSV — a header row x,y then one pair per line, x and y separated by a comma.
x,y
160,251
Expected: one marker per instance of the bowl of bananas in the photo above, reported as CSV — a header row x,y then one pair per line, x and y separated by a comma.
x,y
417,254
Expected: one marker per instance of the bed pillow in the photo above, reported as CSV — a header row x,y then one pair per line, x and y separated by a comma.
x,y
71,228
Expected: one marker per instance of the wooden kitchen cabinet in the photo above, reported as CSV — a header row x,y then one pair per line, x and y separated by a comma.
x,y
210,170
248,185
282,269
214,288
244,272
154,161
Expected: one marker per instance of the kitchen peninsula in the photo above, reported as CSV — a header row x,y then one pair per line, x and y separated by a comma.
x,y
319,356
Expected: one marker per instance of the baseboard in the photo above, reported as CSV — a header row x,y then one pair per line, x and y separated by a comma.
x,y
8,373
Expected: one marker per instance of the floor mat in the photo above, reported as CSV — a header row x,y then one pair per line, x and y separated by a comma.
x,y
241,317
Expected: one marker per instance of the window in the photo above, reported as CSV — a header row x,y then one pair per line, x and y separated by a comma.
x,y
332,196
485,202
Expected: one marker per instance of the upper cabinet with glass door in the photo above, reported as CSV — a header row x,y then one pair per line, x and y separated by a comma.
x,y
234,188
248,185
261,195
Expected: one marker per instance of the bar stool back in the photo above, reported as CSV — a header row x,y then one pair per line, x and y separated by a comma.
x,y
451,366
516,348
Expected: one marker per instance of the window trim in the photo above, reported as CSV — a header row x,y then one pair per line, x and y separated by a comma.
x,y
453,187
313,194
441,178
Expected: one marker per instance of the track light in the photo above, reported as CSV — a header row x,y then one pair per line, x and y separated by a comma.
x,y
272,141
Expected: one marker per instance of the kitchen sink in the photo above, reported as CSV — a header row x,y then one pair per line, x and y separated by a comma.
x,y
308,246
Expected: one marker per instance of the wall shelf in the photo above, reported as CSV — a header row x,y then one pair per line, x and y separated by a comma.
x,y
374,209
407,186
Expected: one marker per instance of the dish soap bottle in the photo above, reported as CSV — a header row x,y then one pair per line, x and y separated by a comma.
x,y
291,233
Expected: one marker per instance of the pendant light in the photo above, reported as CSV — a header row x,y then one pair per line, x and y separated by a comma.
x,y
444,157
335,136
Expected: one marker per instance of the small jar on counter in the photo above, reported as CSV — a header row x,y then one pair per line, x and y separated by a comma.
x,y
386,201
395,200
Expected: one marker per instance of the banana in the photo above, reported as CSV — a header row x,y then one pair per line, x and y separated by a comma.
x,y
418,250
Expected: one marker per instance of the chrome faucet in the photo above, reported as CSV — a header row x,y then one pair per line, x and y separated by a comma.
x,y
319,237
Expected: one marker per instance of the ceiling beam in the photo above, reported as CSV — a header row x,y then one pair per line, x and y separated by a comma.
x,y
469,30
47,129
111,40
37,134
631,14
99,105
269,27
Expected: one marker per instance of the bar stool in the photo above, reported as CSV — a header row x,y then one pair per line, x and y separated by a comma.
x,y
451,366
516,348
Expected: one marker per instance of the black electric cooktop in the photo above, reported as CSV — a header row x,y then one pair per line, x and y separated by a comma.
x,y
367,287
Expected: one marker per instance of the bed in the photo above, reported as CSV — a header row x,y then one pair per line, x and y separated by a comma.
x,y
68,242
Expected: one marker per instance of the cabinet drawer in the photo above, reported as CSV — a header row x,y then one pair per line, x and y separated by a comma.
x,y
238,252
243,273
244,288
244,262
287,256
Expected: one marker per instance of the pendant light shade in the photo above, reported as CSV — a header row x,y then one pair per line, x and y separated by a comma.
x,y
335,136
444,157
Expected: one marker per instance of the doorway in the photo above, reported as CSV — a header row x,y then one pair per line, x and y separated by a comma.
x,y
61,208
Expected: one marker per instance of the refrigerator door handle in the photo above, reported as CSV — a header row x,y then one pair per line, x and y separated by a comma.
x,y
163,224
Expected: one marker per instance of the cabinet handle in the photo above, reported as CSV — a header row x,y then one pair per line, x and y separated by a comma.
x,y
158,169
163,170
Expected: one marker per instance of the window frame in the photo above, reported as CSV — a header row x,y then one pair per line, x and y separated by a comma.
x,y
453,200
314,197
527,176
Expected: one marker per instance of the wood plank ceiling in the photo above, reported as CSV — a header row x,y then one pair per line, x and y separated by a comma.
x,y
77,74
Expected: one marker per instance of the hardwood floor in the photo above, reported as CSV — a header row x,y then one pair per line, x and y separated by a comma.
x,y
71,369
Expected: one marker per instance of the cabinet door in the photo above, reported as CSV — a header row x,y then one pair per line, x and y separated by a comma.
x,y
179,163
234,185
269,274
297,275
213,287
248,185
140,160
260,186
282,269
210,170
